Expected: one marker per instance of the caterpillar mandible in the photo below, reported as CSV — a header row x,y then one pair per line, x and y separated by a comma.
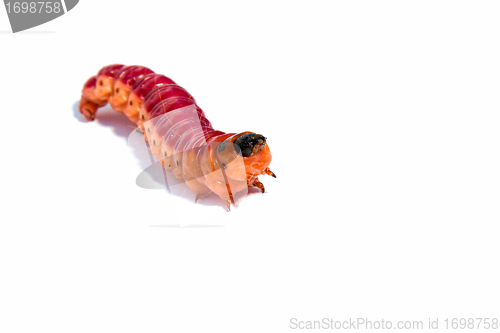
x,y
178,133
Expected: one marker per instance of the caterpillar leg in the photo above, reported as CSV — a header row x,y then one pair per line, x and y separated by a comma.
x,y
258,184
254,182
268,171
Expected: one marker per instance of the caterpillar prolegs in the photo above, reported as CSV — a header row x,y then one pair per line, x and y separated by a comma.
x,y
178,133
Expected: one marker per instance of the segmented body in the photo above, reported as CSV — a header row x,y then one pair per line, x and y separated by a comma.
x,y
178,132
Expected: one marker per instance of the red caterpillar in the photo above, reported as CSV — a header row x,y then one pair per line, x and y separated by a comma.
x,y
178,132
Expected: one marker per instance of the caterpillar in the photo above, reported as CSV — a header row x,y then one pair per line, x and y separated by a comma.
x,y
178,132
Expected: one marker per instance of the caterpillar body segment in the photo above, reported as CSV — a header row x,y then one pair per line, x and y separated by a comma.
x,y
124,82
105,80
139,91
158,94
178,133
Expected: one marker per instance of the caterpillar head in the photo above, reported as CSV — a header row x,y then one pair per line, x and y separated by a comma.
x,y
254,151
256,155
250,144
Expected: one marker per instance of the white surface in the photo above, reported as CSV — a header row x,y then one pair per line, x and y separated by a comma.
x,y
383,120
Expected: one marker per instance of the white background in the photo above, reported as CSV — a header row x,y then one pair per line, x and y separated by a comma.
x,y
383,120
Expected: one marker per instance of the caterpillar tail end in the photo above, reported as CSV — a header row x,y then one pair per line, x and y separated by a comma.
x,y
88,108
